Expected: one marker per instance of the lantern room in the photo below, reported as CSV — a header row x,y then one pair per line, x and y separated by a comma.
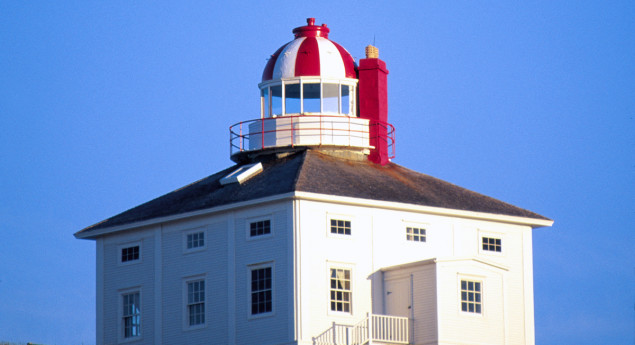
x,y
313,95
309,75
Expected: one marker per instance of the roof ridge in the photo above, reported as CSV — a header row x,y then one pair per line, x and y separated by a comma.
x,y
294,185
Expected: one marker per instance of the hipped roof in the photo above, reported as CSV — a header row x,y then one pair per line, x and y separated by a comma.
x,y
315,172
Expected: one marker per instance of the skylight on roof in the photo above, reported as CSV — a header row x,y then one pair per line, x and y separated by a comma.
x,y
242,174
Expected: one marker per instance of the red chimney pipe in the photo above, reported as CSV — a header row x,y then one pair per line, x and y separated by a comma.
x,y
373,104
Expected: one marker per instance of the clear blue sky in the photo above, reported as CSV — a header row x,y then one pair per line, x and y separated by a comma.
x,y
105,105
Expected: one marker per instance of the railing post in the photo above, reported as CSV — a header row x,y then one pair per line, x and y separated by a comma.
x,y
369,317
334,331
242,137
262,133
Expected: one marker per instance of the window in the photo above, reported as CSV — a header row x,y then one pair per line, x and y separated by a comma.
x,y
292,99
131,315
471,296
260,228
196,302
340,290
415,234
311,97
492,244
129,254
341,227
196,240
330,98
307,97
261,291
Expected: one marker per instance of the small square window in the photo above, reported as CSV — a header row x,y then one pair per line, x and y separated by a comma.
x,y
491,244
340,227
260,228
415,234
196,240
130,254
471,296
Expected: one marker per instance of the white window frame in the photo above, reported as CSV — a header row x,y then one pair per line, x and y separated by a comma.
x,y
425,227
120,249
186,233
494,235
251,268
186,304
353,89
336,217
472,279
346,267
262,218
121,329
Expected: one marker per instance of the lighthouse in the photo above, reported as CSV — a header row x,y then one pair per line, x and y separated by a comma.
x,y
313,95
314,235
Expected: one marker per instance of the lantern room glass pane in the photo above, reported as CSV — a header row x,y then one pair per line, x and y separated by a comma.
x,y
311,94
264,94
346,99
331,96
276,100
292,99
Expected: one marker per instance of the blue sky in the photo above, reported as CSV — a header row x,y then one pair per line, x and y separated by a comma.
x,y
105,105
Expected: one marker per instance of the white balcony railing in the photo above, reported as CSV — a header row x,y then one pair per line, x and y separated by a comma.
x,y
384,329
310,130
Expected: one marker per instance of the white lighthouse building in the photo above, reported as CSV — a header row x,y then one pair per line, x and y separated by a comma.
x,y
314,236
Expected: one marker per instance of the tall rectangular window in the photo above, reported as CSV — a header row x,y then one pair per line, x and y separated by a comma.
x,y
131,315
266,110
311,96
341,227
292,99
330,98
415,234
346,100
260,228
196,240
129,253
492,244
276,100
261,291
340,290
196,302
471,296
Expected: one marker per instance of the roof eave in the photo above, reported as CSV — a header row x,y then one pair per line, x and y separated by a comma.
x,y
87,234
533,222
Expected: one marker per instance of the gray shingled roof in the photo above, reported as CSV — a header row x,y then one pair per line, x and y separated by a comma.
x,y
316,172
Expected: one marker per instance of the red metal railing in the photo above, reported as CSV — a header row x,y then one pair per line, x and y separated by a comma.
x,y
309,126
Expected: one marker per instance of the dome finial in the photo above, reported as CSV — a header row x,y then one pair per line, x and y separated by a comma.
x,y
310,21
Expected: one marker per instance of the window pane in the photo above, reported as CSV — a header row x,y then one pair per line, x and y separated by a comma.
x,y
265,102
330,98
276,100
292,99
346,100
311,97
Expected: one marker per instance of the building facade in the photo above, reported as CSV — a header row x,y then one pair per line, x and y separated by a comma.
x,y
314,236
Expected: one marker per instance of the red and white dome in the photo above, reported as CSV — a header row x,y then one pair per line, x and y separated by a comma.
x,y
311,53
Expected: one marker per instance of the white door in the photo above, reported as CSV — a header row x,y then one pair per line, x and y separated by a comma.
x,y
398,297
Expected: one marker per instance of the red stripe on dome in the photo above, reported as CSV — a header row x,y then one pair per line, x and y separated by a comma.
x,y
307,62
267,74
349,62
